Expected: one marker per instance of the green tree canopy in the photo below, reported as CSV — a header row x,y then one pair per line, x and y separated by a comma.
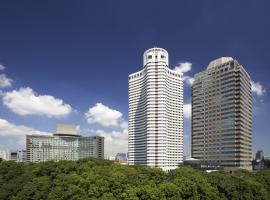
x,y
90,179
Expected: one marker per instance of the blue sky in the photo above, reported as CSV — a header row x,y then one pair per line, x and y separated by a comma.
x,y
68,61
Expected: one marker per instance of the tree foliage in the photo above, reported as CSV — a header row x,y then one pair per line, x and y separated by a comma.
x,y
92,179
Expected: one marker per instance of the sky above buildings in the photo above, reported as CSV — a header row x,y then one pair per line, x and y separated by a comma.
x,y
69,61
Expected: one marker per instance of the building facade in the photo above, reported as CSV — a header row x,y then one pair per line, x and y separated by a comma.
x,y
155,123
222,115
259,155
4,155
63,146
21,156
13,155
121,157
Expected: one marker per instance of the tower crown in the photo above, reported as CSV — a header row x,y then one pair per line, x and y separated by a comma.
x,y
219,61
155,55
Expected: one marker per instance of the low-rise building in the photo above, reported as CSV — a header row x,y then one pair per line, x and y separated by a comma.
x,y
259,155
121,158
15,155
65,144
200,165
3,154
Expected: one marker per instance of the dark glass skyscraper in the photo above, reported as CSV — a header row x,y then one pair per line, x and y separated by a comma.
x,y
222,115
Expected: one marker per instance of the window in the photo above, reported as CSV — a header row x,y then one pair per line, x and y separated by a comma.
x,y
149,56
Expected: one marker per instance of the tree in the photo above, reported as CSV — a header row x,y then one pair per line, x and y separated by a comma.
x,y
101,179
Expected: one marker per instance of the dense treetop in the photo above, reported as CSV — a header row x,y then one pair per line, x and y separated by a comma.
x,y
102,179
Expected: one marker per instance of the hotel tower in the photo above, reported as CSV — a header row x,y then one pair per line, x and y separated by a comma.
x,y
222,115
155,124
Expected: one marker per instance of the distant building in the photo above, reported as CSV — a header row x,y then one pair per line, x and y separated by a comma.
x,y
259,155
192,162
4,155
222,115
266,157
198,164
258,165
111,157
155,124
121,157
15,155
65,144
259,161
21,156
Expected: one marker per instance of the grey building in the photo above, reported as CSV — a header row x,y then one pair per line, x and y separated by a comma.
x,y
259,155
121,157
13,155
65,144
222,115
21,156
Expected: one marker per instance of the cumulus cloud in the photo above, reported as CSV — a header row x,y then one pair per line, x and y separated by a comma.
x,y
16,132
187,111
26,102
5,81
115,141
124,125
9,129
184,67
188,79
2,67
116,133
104,116
257,88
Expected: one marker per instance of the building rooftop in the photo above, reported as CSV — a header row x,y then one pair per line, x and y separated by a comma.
x,y
66,129
155,55
219,61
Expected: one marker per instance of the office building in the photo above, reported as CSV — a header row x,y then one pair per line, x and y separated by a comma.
x,y
65,144
199,165
222,115
259,155
21,156
121,157
4,155
155,124
13,155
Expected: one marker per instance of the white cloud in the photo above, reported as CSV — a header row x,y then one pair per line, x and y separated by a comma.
x,y
187,111
115,137
17,133
9,129
124,125
5,81
184,67
104,116
2,67
257,88
189,80
26,102
115,141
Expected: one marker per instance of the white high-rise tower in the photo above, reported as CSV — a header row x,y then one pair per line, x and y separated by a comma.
x,y
155,122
